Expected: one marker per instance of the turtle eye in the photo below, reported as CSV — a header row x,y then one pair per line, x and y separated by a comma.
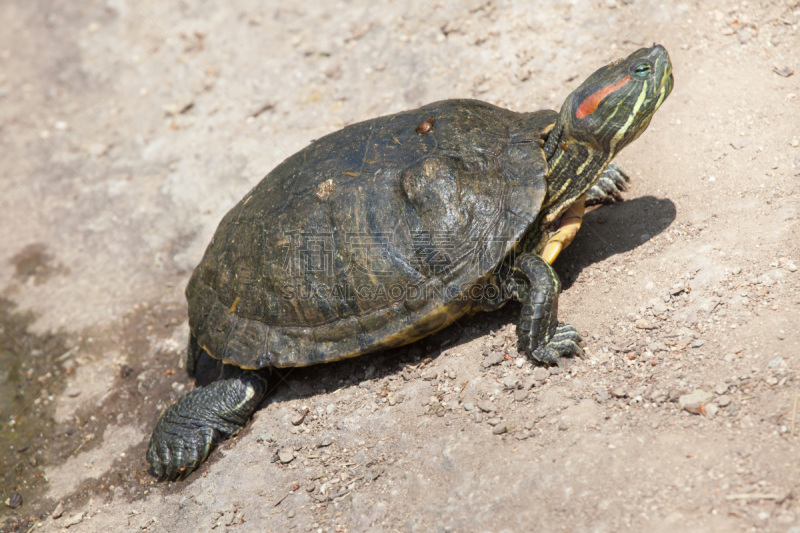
x,y
642,71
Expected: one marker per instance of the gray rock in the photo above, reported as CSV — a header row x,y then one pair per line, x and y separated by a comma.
x,y
693,400
74,520
724,401
698,343
469,406
486,406
521,395
493,421
327,440
494,358
540,373
286,455
775,363
721,388
500,429
510,382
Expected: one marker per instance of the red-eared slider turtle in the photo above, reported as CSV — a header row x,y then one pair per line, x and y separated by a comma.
x,y
390,229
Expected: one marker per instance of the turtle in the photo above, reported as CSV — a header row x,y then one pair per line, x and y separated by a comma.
x,y
389,230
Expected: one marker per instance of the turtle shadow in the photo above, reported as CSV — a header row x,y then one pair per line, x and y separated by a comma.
x,y
614,229
606,231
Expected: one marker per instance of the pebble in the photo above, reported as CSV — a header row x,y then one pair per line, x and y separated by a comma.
x,y
469,406
74,520
563,426
694,401
298,418
492,359
58,511
618,392
721,388
500,429
540,373
486,406
724,401
327,440
698,343
658,306
330,408
510,382
286,455
775,363
97,149
493,421
711,410
429,375
772,381
521,395
555,370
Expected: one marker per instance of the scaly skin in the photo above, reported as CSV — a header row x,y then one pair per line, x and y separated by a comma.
x,y
189,429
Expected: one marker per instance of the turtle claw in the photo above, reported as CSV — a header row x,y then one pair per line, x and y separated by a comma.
x,y
564,342
609,186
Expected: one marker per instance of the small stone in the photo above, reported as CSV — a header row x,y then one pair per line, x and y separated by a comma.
x,y
97,149
327,440
430,375
492,359
775,363
772,381
286,455
563,426
618,392
486,406
721,388
392,401
694,401
724,401
58,511
290,514
500,429
493,421
711,410
521,395
540,373
698,343
744,35
73,520
299,418
658,306
330,408
510,382
643,324
555,370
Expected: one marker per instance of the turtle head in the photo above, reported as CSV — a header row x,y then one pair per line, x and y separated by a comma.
x,y
615,104
606,113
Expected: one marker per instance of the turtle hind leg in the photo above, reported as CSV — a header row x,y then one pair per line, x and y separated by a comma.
x,y
190,428
609,186
536,285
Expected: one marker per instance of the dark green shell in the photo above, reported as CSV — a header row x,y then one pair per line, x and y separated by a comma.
x,y
370,236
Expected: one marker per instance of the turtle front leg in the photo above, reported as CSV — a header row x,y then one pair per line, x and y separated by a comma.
x,y
569,224
609,186
190,428
533,282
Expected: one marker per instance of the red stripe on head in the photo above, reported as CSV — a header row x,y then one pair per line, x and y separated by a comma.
x,y
589,105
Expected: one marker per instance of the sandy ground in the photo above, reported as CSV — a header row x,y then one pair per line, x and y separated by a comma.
x,y
128,129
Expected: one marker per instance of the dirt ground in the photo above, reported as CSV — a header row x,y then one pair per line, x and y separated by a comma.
x,y
127,130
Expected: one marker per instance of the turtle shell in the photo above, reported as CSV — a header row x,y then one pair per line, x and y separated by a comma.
x,y
371,237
